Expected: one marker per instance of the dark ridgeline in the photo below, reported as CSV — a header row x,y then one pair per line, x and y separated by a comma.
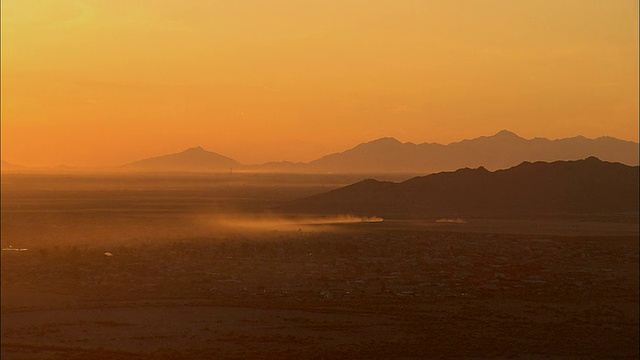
x,y
582,187
192,159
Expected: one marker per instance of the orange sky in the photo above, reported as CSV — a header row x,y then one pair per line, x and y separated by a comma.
x,y
105,82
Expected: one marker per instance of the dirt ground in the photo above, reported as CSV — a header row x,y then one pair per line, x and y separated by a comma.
x,y
480,289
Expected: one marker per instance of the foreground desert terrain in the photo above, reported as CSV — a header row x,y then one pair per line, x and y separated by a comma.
x,y
130,267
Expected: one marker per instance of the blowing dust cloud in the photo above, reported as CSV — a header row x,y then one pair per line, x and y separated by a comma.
x,y
274,223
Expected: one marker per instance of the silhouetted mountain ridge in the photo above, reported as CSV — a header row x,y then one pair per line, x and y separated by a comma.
x,y
192,159
502,150
588,186
388,155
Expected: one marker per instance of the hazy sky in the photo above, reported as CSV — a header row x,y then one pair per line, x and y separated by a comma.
x,y
105,82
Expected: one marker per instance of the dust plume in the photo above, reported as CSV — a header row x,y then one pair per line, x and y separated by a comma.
x,y
260,223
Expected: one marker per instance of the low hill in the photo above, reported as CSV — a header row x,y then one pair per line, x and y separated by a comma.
x,y
7,166
588,186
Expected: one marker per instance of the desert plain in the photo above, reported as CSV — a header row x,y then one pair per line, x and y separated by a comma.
x,y
201,266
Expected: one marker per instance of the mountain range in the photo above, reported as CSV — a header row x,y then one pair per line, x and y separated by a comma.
x,y
388,155
499,151
588,186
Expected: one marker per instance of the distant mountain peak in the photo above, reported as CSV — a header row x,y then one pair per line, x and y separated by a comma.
x,y
196,149
478,170
593,159
506,134
385,140
379,144
192,159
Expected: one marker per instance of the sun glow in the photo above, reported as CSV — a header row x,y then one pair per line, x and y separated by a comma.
x,y
87,83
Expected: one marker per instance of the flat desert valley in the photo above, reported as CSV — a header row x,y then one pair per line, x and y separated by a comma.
x,y
199,266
